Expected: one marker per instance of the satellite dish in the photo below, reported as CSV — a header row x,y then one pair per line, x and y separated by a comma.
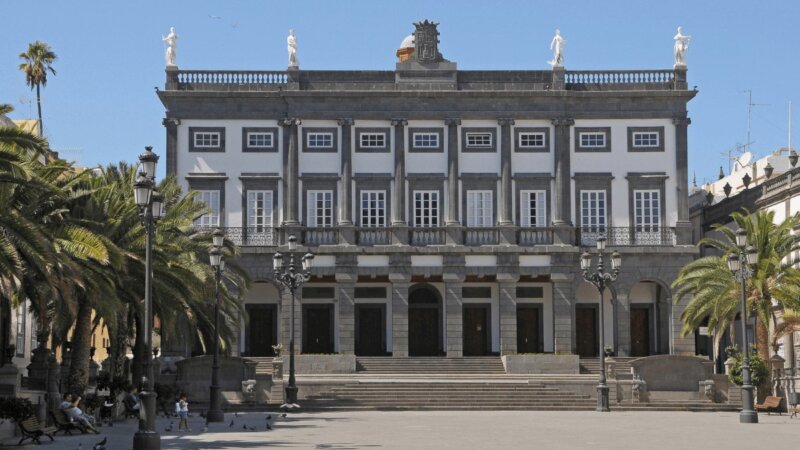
x,y
745,159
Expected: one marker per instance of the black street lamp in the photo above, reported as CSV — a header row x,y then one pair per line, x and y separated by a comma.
x,y
292,280
600,279
151,208
215,413
740,265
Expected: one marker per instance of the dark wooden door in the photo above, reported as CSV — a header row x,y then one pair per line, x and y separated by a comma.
x,y
317,336
640,331
528,330
476,330
423,331
261,330
370,337
586,331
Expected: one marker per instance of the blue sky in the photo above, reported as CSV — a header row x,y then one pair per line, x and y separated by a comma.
x,y
102,102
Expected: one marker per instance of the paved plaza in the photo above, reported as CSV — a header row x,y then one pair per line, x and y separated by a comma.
x,y
461,429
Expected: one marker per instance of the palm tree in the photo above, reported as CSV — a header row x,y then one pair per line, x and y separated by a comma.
x,y
716,295
38,61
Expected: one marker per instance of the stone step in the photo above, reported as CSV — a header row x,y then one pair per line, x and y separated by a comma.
x,y
439,365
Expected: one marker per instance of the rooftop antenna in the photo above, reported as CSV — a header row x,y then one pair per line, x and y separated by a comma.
x,y
750,105
790,125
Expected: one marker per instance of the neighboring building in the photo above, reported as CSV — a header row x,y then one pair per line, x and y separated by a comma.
x,y
771,183
447,208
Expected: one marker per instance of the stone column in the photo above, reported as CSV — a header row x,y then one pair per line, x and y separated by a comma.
x,y
400,283
172,144
346,216
508,312
452,171
291,197
506,193
622,337
453,278
562,171
400,233
683,227
563,302
286,314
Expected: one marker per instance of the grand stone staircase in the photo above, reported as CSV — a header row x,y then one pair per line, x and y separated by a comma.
x,y
432,365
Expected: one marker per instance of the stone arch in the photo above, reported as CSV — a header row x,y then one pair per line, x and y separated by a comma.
x,y
650,302
587,298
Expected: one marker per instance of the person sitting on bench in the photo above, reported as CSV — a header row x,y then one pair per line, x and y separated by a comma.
x,y
70,407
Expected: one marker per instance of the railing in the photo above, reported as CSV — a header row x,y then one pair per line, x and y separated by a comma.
x,y
619,77
320,236
627,236
373,236
420,236
534,236
197,79
481,236
247,236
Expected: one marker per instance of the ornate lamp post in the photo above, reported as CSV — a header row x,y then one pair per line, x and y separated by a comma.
x,y
292,279
601,279
151,208
215,413
740,264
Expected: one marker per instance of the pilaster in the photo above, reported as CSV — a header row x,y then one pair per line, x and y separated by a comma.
x,y
345,284
400,284
399,191
346,216
453,278
622,322
506,193
507,288
452,171
291,199
172,144
563,302
683,227
562,169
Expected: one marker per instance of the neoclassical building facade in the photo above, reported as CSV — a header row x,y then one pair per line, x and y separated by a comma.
x,y
447,209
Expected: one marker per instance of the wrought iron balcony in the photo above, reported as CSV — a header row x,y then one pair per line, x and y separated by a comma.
x,y
627,236
247,236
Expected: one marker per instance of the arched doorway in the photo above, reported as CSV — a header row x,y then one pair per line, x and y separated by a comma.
x,y
650,310
587,320
424,321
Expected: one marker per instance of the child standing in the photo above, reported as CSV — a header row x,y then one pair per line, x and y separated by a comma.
x,y
183,412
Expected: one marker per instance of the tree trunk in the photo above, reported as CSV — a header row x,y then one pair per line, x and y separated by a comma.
x,y
137,369
762,348
39,107
119,343
81,343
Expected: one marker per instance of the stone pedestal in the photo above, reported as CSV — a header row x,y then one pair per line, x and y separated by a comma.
x,y
10,380
38,368
277,369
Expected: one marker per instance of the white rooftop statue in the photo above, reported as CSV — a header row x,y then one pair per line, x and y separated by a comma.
x,y
291,43
681,45
557,46
171,52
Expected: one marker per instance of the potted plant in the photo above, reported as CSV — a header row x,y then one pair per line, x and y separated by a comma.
x,y
277,349
608,350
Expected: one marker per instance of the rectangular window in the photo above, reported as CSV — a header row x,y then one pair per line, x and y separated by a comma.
x,y
531,140
206,139
593,211
479,140
259,210
530,292
479,209
426,140
593,139
370,292
259,140
373,208
319,140
426,208
320,209
211,201
476,292
647,210
645,139
21,329
373,140
533,209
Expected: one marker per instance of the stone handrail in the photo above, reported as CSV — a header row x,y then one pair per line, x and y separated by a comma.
x,y
231,77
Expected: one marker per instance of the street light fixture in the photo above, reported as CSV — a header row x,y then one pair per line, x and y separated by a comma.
x,y
601,279
290,278
742,264
215,413
150,205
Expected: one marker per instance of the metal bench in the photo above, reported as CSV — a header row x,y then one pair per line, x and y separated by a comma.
x,y
63,423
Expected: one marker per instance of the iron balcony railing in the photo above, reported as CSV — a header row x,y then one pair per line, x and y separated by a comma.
x,y
248,236
627,236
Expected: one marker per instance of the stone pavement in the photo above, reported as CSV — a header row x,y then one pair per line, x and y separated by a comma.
x,y
464,430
